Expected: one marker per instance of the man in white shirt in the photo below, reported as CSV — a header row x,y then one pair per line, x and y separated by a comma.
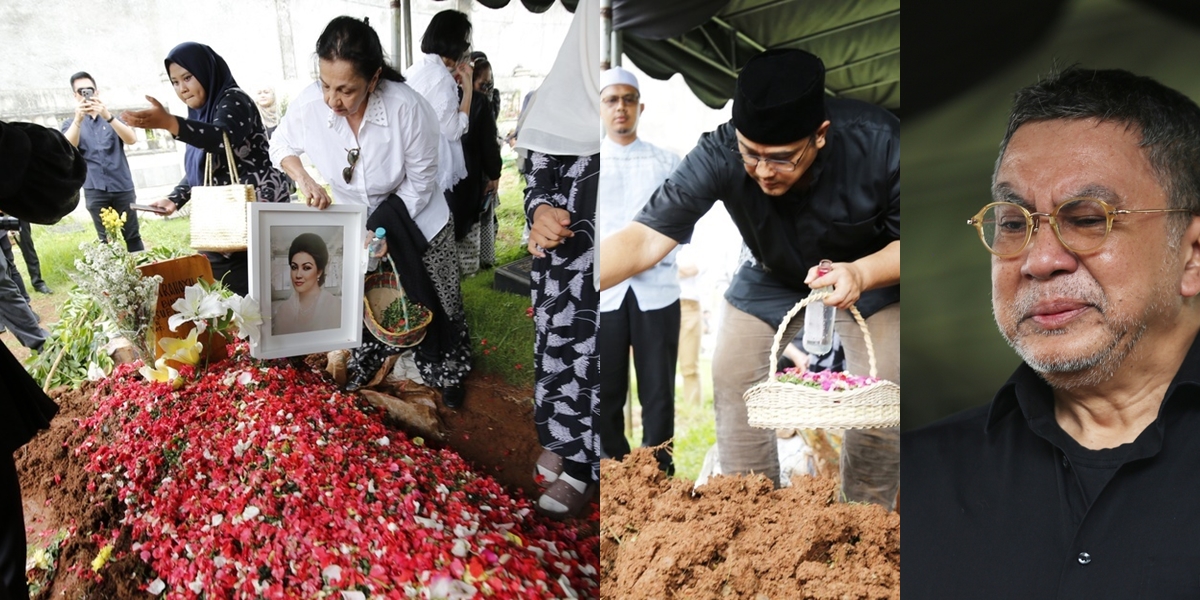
x,y
642,312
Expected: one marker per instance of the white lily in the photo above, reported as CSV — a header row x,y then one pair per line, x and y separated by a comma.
x,y
246,317
95,373
187,308
211,306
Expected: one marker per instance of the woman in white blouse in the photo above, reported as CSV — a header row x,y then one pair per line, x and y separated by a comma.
x,y
445,45
376,141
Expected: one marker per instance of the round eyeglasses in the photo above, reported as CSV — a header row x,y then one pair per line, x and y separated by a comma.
x,y
776,164
1081,224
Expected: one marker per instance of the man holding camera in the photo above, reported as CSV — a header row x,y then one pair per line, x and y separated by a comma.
x,y
100,137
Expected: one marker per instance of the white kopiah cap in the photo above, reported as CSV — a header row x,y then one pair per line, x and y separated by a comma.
x,y
617,75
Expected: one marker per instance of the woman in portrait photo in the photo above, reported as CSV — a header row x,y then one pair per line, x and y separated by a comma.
x,y
310,307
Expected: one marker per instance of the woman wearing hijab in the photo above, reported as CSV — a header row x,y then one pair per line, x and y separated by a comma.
x,y
559,133
216,107
376,141
268,108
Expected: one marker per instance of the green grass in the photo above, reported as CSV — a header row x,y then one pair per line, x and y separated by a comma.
x,y
695,425
511,215
497,317
58,245
501,333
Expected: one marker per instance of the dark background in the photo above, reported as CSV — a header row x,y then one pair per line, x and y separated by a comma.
x,y
962,63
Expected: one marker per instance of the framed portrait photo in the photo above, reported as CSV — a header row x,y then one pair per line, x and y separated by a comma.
x,y
306,274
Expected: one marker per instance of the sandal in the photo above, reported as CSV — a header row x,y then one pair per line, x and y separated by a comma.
x,y
563,500
549,466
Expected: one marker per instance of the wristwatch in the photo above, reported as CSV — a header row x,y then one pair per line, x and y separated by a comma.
x,y
110,118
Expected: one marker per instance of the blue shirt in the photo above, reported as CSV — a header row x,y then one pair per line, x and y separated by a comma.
x,y
102,148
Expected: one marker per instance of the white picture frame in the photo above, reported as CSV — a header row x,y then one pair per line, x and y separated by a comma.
x,y
327,312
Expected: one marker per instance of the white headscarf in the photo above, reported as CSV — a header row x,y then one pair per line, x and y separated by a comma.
x,y
563,117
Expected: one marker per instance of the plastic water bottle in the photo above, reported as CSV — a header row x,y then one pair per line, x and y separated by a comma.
x,y
373,249
818,319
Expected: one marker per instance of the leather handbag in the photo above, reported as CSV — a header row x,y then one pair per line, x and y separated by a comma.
x,y
220,213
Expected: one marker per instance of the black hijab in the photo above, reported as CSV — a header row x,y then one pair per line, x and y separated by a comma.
x,y
213,74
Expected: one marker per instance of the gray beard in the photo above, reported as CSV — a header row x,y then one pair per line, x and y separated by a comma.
x,y
1069,372
1084,371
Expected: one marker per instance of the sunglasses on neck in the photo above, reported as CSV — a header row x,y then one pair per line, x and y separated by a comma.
x,y
352,158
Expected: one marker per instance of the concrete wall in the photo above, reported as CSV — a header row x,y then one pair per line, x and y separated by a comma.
x,y
266,43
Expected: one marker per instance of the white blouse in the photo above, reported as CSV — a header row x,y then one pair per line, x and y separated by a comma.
x,y
398,150
430,78
289,317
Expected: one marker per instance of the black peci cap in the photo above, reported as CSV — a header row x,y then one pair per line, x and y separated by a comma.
x,y
780,97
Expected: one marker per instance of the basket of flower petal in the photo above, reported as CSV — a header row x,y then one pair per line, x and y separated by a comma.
x,y
794,399
388,313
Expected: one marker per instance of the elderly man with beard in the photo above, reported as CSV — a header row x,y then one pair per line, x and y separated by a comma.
x,y
1080,478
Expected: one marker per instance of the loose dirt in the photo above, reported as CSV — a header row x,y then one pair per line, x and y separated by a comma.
x,y
736,537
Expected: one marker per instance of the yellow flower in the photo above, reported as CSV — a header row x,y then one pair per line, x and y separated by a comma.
x,y
186,350
113,222
40,559
102,558
162,373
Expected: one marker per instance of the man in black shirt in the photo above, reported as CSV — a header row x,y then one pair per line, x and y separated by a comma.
x,y
804,178
1080,478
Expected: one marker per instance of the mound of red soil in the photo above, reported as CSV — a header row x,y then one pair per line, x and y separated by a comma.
x,y
54,487
737,538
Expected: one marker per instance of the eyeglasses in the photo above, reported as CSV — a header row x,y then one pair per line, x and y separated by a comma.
x,y
614,100
776,164
352,158
1081,224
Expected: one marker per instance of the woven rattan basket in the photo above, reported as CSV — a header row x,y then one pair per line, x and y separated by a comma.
x,y
219,215
381,289
777,405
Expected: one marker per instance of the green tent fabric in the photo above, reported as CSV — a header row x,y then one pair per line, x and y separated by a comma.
x,y
953,355
859,42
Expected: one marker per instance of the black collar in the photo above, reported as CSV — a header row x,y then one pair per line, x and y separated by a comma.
x,y
1027,392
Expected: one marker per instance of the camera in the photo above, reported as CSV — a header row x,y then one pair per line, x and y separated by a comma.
x,y
87,93
8,223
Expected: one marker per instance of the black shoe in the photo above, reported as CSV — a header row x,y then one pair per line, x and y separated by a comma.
x,y
454,396
42,287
